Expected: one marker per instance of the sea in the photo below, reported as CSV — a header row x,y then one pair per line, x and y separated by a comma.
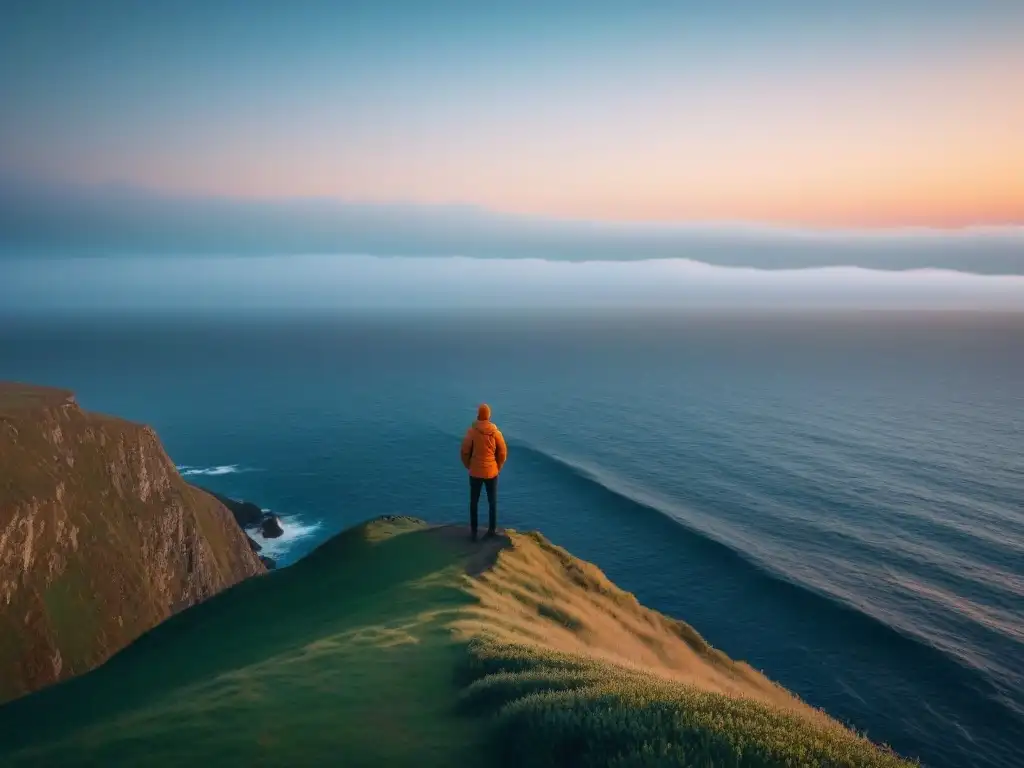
x,y
836,498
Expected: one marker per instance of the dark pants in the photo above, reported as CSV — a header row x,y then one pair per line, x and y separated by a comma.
x,y
491,485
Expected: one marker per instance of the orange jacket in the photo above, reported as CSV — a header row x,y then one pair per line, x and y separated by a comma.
x,y
484,450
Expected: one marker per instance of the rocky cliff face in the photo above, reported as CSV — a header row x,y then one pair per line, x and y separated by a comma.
x,y
100,538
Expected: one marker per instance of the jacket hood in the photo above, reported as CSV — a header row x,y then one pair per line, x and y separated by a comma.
x,y
486,427
483,413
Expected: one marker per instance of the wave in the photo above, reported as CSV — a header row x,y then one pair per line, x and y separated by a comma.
x,y
295,530
818,600
221,469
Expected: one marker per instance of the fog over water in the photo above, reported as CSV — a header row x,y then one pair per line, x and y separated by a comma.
x,y
57,221
327,282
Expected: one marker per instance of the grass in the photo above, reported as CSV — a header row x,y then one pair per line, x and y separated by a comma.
x,y
582,712
344,657
72,614
403,645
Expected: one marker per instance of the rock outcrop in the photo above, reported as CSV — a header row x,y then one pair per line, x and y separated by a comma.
x,y
251,518
247,514
100,538
271,527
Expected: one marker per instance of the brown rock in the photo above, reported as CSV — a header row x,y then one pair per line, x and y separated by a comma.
x,y
100,538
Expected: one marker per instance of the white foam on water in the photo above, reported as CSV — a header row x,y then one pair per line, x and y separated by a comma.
x,y
223,469
295,530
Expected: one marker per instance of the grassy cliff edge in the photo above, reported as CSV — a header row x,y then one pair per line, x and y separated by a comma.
x,y
100,538
400,643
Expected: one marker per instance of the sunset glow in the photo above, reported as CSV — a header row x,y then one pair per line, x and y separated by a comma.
x,y
894,114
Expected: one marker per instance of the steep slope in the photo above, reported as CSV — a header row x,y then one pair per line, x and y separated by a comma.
x,y
537,595
249,517
400,644
100,538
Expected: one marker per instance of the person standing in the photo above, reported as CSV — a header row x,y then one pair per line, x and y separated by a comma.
x,y
483,454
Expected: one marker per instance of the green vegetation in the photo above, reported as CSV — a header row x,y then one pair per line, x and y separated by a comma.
x,y
582,712
343,658
72,615
399,644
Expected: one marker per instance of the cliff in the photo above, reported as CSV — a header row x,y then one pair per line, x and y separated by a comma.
x,y
248,516
100,538
397,643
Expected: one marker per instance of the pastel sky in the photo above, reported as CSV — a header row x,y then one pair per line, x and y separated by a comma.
x,y
869,113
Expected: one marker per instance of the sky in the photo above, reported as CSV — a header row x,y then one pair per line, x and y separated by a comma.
x,y
877,113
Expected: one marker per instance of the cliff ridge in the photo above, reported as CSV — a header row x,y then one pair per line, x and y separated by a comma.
x,y
401,643
100,538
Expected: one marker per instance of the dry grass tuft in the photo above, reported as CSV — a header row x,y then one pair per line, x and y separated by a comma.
x,y
577,673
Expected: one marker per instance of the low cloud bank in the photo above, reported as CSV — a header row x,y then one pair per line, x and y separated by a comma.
x,y
106,221
395,284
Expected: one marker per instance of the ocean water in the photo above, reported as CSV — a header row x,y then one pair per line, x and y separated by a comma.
x,y
837,499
